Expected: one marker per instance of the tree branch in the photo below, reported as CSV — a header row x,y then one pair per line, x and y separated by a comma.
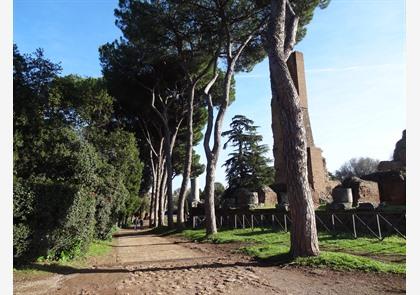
x,y
148,138
210,107
175,134
276,28
291,27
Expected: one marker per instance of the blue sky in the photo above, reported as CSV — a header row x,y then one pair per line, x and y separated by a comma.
x,y
354,58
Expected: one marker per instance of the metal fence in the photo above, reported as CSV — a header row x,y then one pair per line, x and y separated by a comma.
x,y
357,223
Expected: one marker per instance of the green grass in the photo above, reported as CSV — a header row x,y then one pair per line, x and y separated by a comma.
x,y
340,252
99,248
40,268
344,261
391,245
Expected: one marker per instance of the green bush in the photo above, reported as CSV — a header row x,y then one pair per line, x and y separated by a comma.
x,y
23,199
119,178
75,172
110,201
55,210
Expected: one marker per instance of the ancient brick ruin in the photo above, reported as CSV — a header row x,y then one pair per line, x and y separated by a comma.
x,y
391,175
267,196
317,172
363,191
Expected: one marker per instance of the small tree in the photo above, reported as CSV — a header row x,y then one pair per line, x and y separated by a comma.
x,y
247,166
357,167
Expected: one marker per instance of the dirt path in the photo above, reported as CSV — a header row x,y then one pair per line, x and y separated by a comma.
x,y
148,264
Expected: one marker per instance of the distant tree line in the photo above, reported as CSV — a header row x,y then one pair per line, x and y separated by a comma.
x,y
356,167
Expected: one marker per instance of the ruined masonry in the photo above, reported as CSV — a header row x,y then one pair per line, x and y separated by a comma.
x,y
194,196
317,172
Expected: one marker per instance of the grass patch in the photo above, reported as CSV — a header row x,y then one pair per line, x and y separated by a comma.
x,y
344,261
44,267
238,235
339,252
392,245
99,248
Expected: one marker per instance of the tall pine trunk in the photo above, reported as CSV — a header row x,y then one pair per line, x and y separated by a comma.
x,y
162,180
304,239
209,208
168,175
156,206
188,161
212,155
153,194
152,202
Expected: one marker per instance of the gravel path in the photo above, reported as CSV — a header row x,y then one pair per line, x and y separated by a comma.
x,y
148,264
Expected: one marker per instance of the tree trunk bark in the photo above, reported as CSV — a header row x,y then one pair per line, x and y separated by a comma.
x,y
162,207
211,227
188,161
156,206
304,239
153,192
152,203
169,172
210,214
161,212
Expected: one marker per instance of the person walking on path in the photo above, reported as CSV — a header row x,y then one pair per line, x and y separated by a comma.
x,y
136,221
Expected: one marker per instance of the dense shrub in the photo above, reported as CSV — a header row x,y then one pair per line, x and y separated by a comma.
x,y
23,199
54,210
75,171
111,196
119,177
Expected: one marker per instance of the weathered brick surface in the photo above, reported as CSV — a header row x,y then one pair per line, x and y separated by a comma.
x,y
316,163
363,191
390,166
316,173
392,186
267,196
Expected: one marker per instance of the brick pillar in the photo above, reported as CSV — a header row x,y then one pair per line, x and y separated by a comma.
x,y
316,163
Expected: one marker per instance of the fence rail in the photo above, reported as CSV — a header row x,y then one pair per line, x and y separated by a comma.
x,y
374,223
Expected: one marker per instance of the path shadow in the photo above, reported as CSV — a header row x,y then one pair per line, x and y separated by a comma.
x,y
67,270
157,244
159,231
130,233
276,260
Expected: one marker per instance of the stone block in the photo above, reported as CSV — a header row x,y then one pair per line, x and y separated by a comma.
x,y
244,197
267,196
390,166
400,150
363,191
342,195
392,187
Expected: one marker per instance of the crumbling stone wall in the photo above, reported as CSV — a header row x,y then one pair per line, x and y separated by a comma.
x,y
391,184
267,196
391,175
363,191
